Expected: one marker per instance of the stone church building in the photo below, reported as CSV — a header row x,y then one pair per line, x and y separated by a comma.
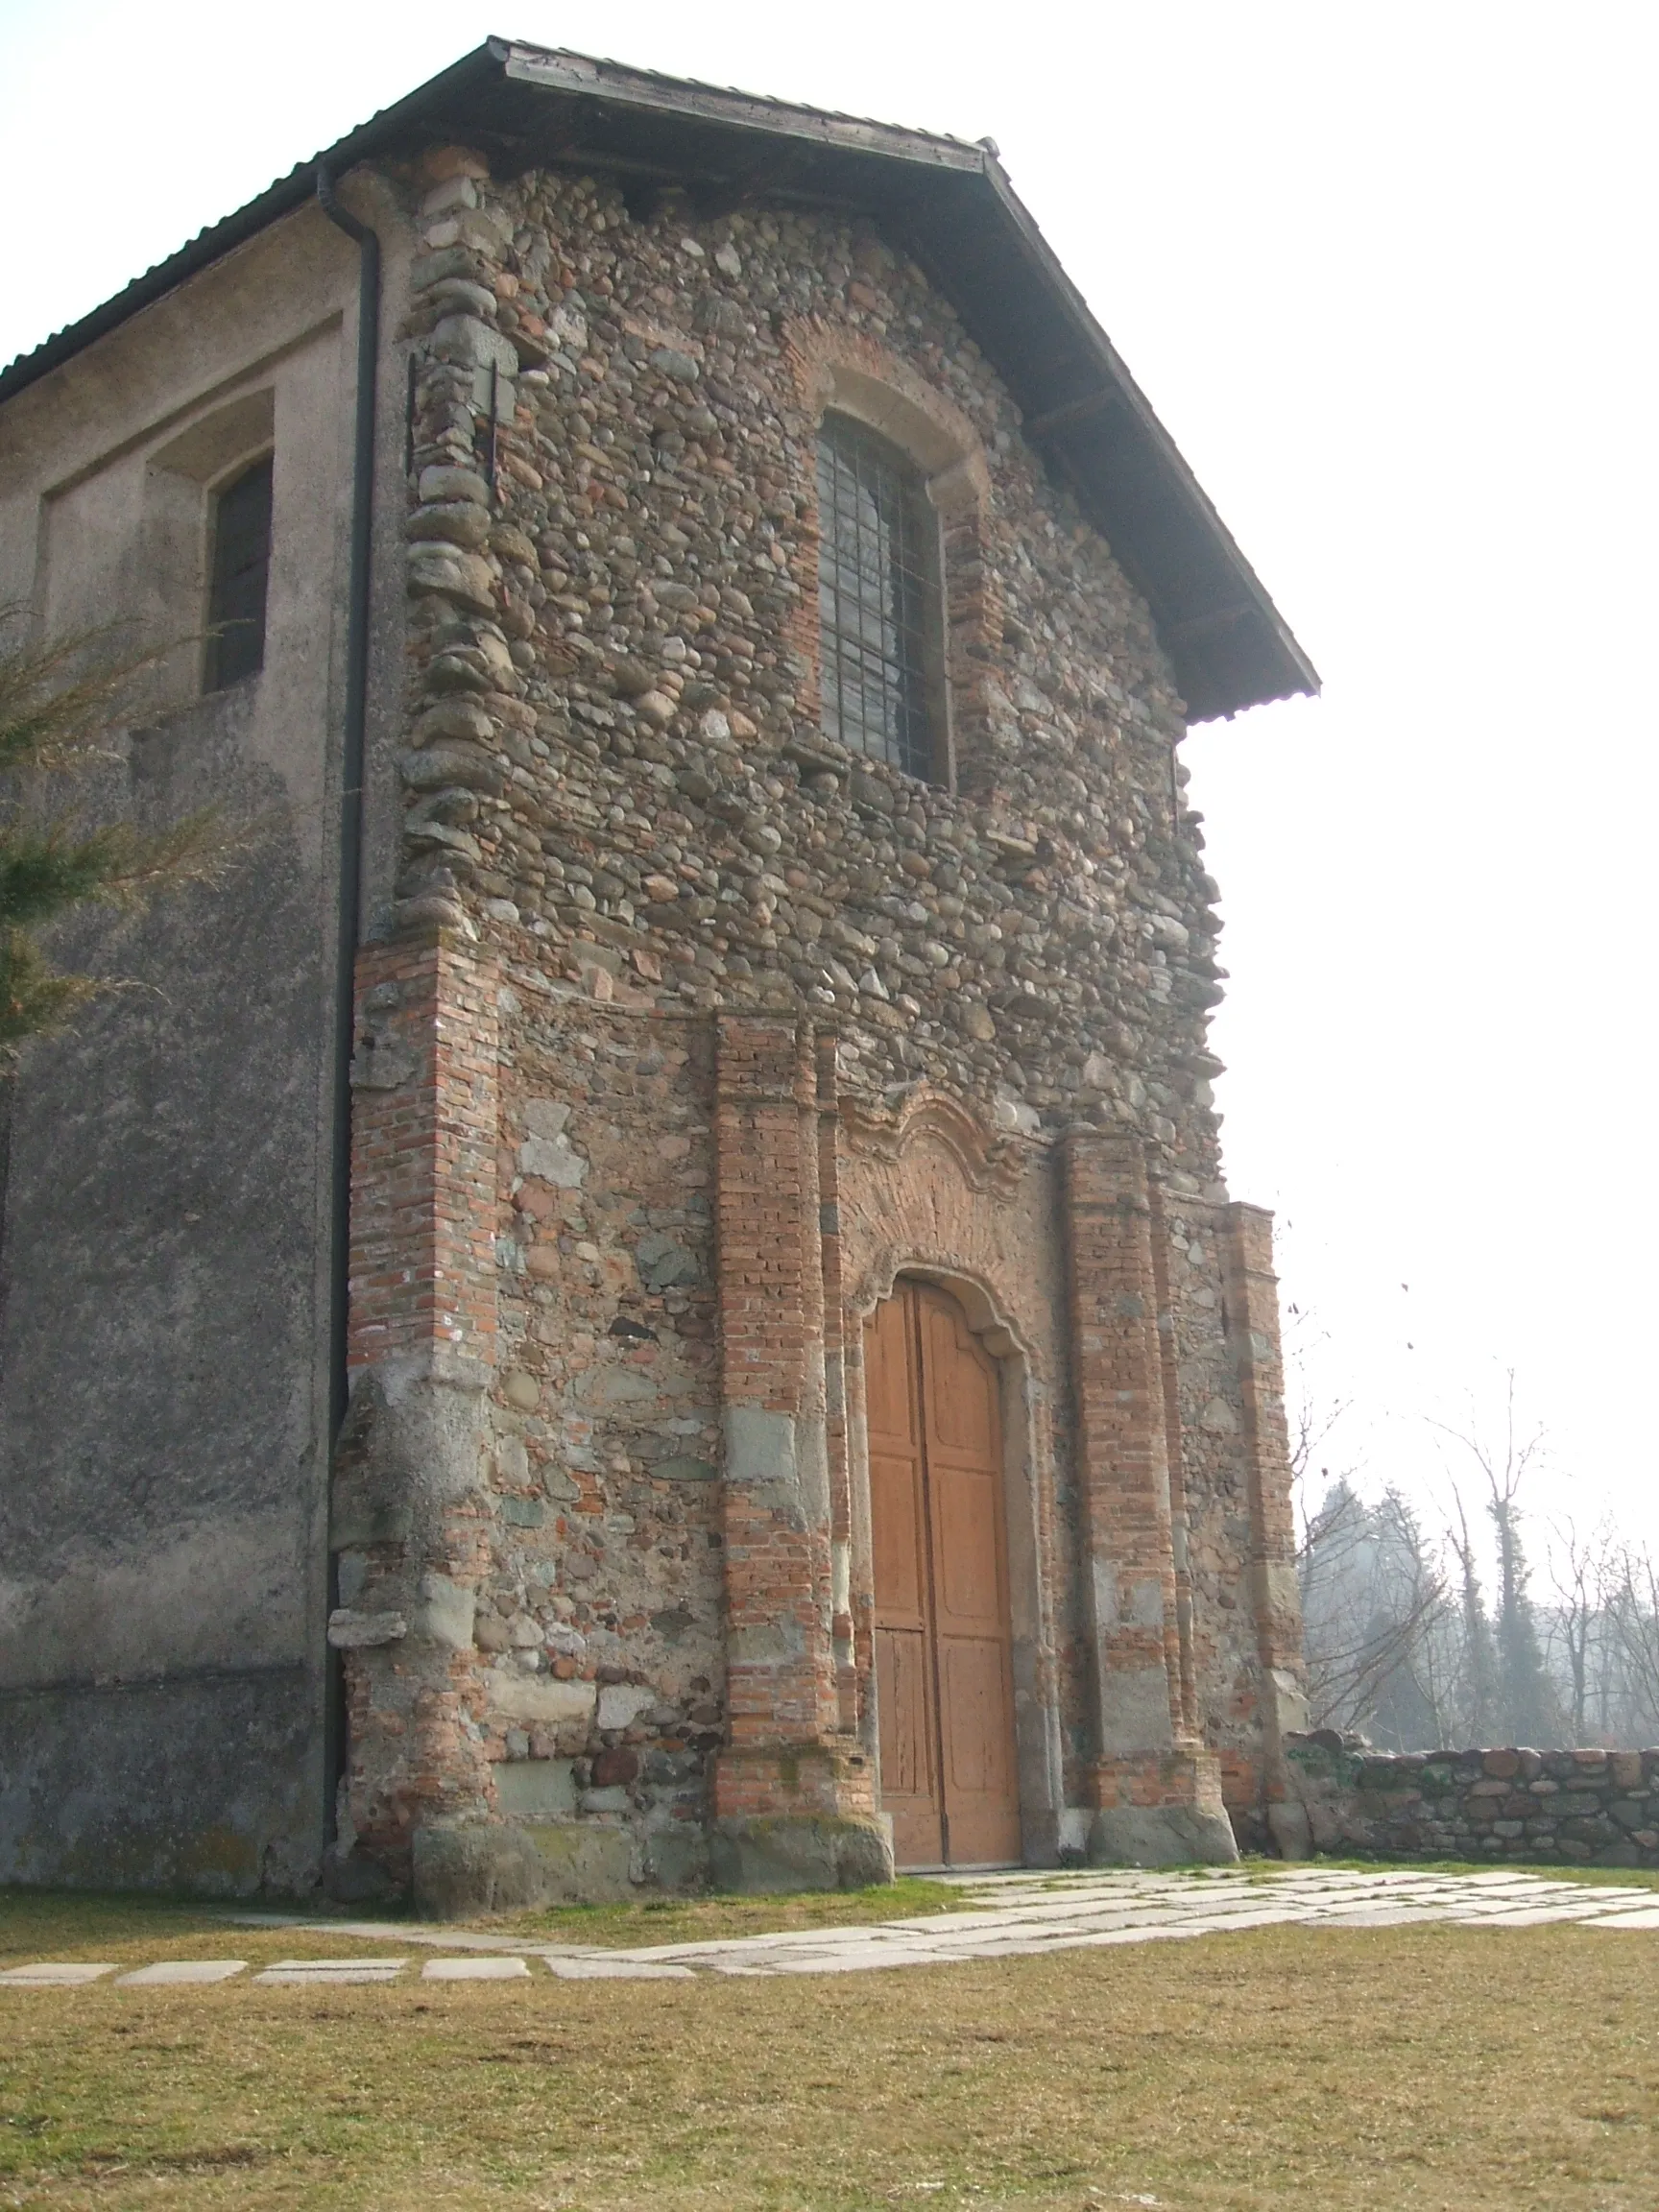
x,y
646,1294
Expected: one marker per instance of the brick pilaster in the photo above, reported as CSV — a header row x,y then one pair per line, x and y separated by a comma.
x,y
409,1504
842,1629
1252,1296
787,1753
1145,1757
423,1136
1179,1528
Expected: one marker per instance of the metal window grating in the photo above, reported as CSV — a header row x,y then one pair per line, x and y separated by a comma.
x,y
877,598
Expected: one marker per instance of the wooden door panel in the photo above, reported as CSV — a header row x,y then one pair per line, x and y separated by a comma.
x,y
964,1416
981,1783
906,1716
897,1537
944,1657
962,1443
975,1695
890,1395
967,1509
906,1731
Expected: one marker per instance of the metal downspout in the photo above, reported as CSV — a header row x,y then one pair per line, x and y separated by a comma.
x,y
354,750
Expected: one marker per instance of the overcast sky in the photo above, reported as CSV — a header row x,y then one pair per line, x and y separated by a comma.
x,y
1386,273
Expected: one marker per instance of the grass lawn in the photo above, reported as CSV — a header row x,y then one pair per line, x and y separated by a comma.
x,y
1329,2069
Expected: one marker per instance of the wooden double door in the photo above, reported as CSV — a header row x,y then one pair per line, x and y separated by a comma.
x,y
944,1646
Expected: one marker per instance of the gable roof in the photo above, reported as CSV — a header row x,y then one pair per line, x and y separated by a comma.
x,y
948,203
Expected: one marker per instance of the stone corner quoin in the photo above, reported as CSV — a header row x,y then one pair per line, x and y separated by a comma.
x,y
683,1033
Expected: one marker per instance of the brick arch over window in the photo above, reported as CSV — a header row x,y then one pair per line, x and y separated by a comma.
x,y
844,372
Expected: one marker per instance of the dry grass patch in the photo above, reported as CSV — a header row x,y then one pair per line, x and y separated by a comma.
x,y
130,1929
1335,2069
708,1919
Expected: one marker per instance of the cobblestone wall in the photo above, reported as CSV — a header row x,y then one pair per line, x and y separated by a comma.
x,y
1587,1807
615,758
622,813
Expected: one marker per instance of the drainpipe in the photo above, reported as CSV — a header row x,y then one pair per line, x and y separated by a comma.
x,y
351,887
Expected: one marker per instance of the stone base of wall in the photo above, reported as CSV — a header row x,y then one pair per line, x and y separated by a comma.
x,y
1162,1810
775,1855
464,1868
1588,1808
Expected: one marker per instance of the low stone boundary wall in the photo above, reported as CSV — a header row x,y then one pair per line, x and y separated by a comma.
x,y
1583,1808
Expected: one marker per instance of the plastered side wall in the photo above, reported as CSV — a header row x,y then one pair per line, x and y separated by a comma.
x,y
163,1387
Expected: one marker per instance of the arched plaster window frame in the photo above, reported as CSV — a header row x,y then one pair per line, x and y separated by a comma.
x,y
184,477
842,372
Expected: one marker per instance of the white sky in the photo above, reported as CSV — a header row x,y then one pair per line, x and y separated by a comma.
x,y
1386,273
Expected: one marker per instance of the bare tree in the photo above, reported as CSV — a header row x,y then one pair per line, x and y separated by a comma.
x,y
1633,1613
1402,1641
1474,1690
1371,1592
1522,1705
1577,1629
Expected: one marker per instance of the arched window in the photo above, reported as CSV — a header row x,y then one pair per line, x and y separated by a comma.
x,y
878,599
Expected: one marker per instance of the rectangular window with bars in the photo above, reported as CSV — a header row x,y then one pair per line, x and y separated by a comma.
x,y
878,599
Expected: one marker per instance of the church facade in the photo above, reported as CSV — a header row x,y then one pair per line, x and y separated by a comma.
x,y
649,1298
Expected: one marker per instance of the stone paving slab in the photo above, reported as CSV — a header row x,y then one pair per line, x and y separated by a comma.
x,y
321,1973
49,1974
1552,1915
614,1966
172,1972
1013,1914
475,1969
434,1933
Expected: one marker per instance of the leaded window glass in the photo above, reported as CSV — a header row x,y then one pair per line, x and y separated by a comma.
x,y
237,585
877,598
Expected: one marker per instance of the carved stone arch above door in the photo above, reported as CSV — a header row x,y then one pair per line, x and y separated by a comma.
x,y
927,1185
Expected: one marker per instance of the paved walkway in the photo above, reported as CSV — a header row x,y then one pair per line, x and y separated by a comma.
x,y
1014,1915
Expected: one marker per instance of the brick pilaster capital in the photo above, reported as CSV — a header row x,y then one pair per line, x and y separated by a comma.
x,y
1104,1172
765,1060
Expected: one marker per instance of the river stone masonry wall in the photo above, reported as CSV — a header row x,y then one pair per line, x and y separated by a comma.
x,y
1592,1808
614,735
626,834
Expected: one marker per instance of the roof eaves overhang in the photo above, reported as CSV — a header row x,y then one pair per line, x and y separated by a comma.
x,y
948,203
384,133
